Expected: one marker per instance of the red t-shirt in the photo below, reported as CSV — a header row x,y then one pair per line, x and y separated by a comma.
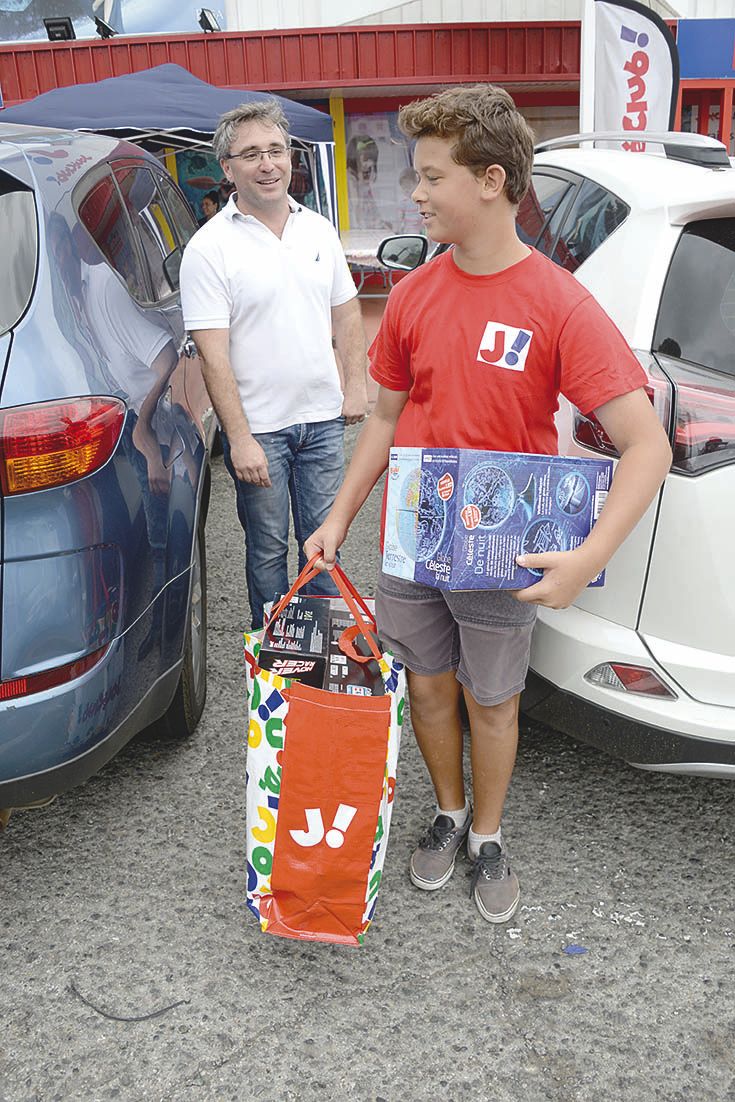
x,y
483,358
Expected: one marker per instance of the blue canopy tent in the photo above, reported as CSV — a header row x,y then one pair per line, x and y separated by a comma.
x,y
168,107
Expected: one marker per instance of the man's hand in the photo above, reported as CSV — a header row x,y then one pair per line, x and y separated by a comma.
x,y
566,573
325,542
159,478
249,461
355,404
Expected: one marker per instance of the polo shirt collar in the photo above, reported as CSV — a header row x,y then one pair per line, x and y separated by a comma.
x,y
231,211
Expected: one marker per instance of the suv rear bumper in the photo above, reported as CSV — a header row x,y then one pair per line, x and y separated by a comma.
x,y
19,791
53,740
637,743
679,734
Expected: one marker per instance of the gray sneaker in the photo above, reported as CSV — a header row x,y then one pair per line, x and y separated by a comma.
x,y
432,862
495,886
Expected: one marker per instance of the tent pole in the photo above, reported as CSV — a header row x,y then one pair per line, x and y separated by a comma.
x,y
337,111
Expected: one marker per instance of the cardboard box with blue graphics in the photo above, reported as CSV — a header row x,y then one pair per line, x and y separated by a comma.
x,y
457,519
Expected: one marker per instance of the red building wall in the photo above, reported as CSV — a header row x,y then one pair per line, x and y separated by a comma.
x,y
314,61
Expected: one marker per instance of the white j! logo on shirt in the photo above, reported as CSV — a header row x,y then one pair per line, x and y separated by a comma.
x,y
504,346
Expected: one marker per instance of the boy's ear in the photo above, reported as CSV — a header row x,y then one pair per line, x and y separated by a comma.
x,y
493,181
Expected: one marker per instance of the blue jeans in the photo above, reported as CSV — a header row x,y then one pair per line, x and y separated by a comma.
x,y
306,465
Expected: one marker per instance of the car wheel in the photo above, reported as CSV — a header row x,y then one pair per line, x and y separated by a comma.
x,y
186,708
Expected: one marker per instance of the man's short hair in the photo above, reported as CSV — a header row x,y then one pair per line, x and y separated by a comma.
x,y
267,111
485,127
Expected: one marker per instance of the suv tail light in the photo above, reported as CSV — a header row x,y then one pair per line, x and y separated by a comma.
x,y
629,679
53,443
702,430
589,432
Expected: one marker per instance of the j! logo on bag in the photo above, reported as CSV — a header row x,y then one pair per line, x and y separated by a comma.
x,y
314,832
504,346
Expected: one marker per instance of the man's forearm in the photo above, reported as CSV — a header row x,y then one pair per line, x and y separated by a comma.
x,y
351,345
225,395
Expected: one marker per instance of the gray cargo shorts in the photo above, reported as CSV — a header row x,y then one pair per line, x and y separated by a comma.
x,y
485,635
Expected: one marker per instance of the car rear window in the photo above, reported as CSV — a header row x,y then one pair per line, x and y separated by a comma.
x,y
102,213
538,206
696,320
19,235
150,218
594,215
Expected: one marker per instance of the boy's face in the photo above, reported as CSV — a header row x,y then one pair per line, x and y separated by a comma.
x,y
448,195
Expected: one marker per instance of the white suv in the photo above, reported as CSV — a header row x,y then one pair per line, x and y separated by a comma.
x,y
645,667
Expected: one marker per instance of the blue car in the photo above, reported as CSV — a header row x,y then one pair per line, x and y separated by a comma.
x,y
105,432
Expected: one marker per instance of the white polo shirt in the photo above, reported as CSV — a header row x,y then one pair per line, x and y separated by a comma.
x,y
275,296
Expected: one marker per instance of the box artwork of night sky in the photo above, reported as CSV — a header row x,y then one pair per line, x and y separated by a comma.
x,y
457,519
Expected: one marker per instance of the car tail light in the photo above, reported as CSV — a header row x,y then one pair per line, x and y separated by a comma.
x,y
589,432
704,430
629,679
53,443
48,679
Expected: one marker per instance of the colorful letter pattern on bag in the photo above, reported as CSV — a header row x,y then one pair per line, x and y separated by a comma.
x,y
319,830
266,726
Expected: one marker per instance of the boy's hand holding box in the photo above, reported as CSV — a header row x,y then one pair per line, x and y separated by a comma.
x,y
458,519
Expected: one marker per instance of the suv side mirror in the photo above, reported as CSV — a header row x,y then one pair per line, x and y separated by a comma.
x,y
172,267
403,253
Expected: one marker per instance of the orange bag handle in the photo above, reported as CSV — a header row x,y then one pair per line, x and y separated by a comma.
x,y
351,598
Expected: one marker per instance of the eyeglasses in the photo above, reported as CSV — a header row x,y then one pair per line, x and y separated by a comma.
x,y
253,156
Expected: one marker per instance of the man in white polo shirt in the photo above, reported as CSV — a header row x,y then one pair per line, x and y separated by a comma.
x,y
264,286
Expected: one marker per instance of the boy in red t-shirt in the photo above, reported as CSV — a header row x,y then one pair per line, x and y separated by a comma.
x,y
473,351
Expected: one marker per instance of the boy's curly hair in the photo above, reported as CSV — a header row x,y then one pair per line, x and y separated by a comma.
x,y
485,126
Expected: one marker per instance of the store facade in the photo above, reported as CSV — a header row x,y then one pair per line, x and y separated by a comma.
x,y
707,60
362,74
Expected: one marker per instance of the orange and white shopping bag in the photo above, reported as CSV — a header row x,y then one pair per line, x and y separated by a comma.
x,y
321,770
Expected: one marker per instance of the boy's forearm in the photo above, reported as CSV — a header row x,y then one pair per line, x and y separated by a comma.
x,y
638,477
369,461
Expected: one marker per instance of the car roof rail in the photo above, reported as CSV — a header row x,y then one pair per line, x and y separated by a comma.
x,y
696,149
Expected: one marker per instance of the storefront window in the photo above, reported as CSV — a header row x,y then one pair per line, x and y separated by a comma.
x,y
713,123
690,117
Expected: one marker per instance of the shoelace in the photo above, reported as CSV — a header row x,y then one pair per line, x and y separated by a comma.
x,y
489,866
437,836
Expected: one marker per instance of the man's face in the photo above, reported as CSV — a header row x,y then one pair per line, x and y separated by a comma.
x,y
262,186
448,195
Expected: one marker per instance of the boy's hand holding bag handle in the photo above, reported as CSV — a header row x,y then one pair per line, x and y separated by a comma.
x,y
321,770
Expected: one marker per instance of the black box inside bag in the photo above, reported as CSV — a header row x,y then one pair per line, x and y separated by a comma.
x,y
304,645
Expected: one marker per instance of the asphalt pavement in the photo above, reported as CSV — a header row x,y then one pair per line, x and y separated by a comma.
x,y
130,968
